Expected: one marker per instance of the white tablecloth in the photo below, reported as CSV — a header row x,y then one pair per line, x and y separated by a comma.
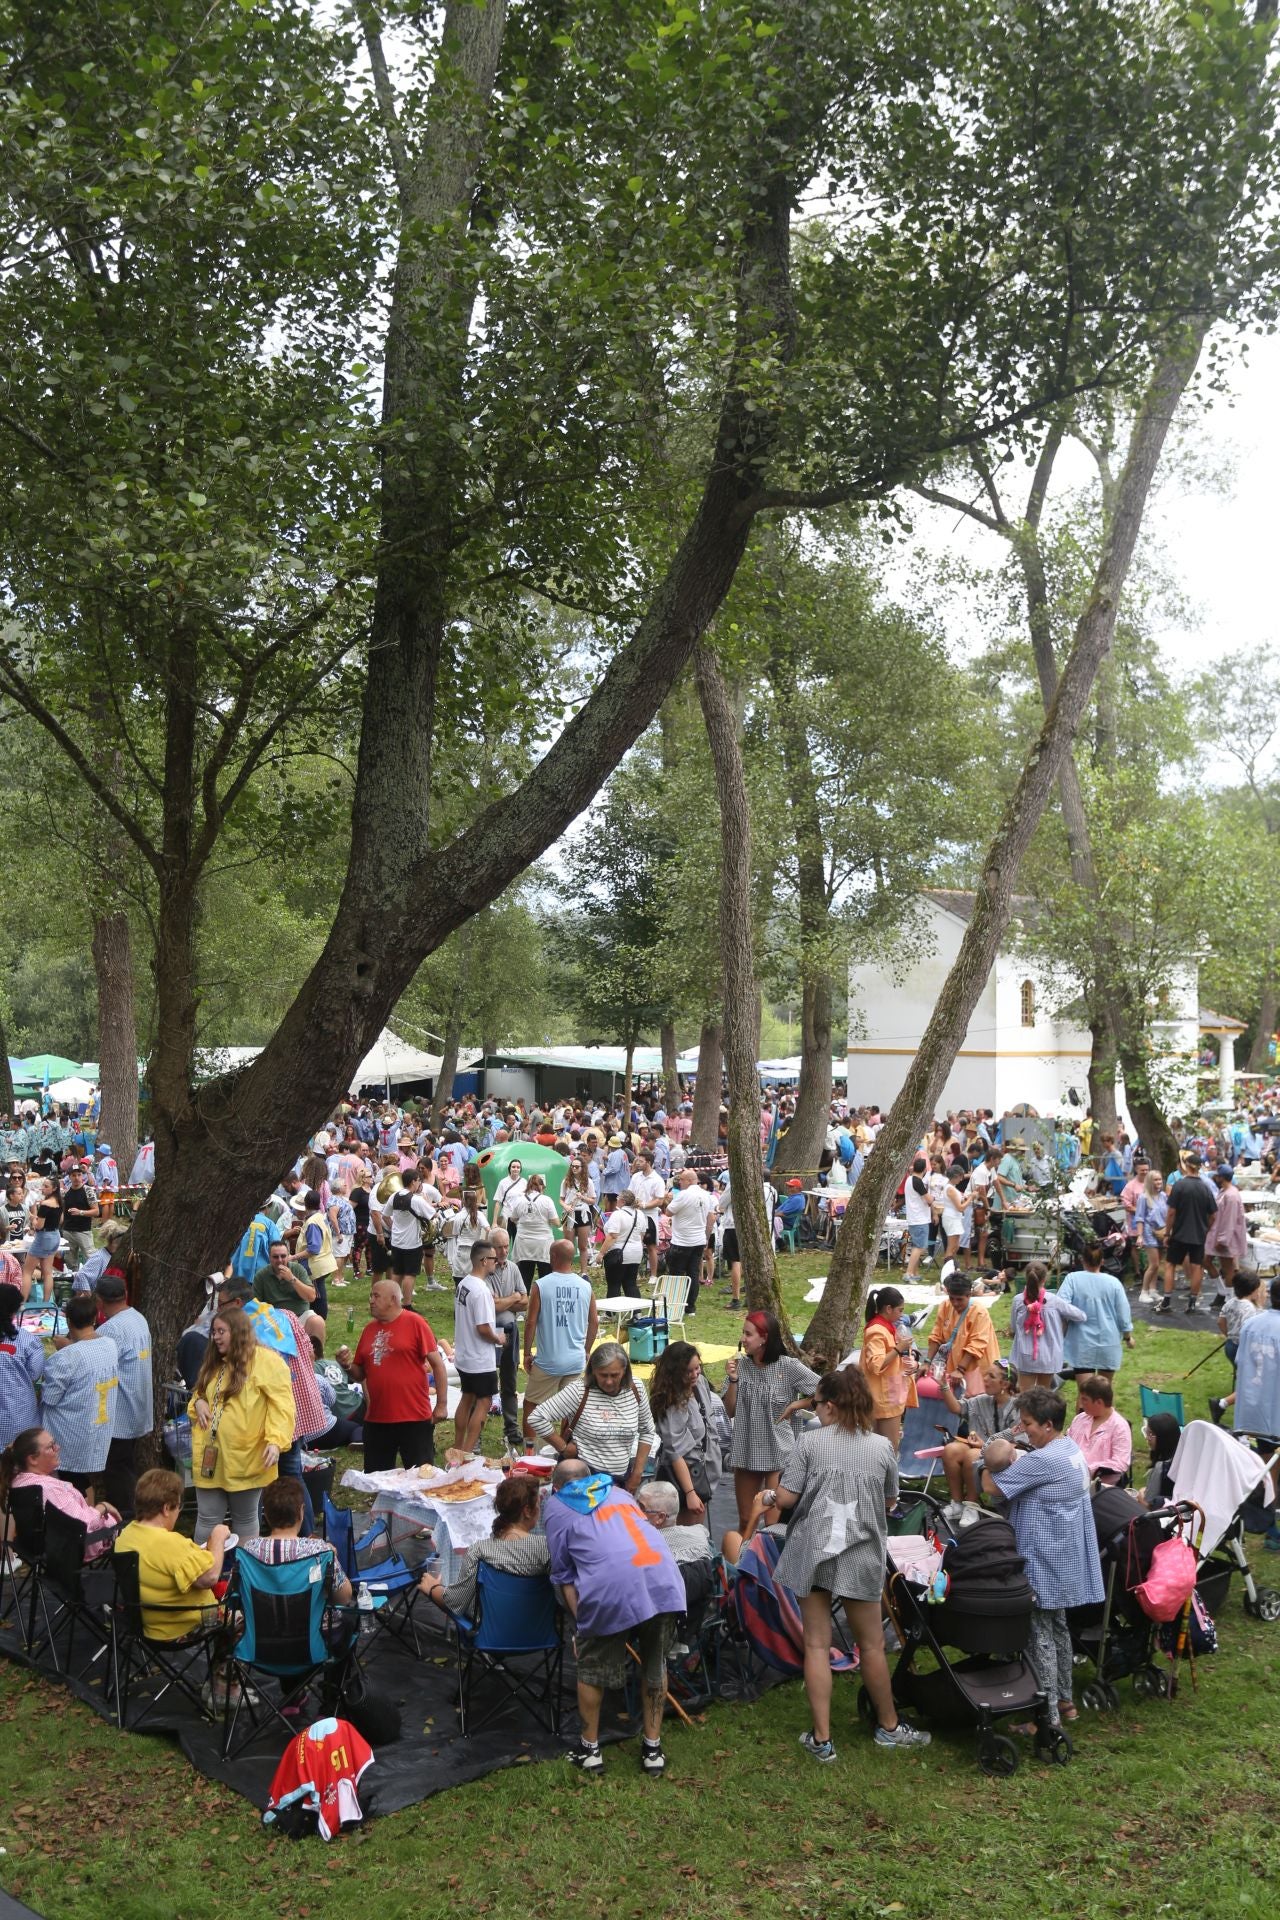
x,y
400,1494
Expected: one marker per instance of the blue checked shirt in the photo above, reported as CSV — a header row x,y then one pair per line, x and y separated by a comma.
x,y
135,1407
78,1401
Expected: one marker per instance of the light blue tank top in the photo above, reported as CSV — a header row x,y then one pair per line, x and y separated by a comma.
x,y
560,1339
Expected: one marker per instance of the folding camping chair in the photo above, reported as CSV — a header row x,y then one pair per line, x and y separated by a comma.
x,y
282,1642
1155,1400
766,1625
63,1574
516,1617
384,1571
920,1431
24,1520
137,1654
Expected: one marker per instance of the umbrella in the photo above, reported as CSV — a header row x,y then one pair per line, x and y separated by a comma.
x,y
43,1067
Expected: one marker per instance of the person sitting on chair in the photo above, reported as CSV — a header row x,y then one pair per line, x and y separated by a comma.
x,y
284,1540
995,1410
170,1567
513,1548
1101,1433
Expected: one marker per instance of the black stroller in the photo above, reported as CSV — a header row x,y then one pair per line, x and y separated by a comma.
x,y
985,1617
1081,1230
1117,1637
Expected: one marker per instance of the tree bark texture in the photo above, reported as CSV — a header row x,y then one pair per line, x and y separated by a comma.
x,y
705,1129
1259,1051
853,1263
670,1072
800,1148
6,1078
453,1027
746,1164
117,1038
1102,1071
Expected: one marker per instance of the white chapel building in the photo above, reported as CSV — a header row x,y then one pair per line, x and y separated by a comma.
x,y
1022,1046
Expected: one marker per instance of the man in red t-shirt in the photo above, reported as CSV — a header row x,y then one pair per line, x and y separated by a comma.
x,y
394,1355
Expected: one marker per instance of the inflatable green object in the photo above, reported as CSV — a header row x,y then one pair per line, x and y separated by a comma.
x,y
494,1162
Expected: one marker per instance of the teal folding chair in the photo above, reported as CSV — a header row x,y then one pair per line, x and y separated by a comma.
x,y
1155,1400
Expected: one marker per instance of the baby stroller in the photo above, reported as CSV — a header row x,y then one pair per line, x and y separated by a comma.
x,y
1221,1475
985,1617
1081,1230
1116,1636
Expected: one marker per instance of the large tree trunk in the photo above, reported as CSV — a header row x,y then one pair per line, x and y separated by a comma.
x,y
853,1263
705,1129
1260,1050
670,1072
6,1078
117,1038
1102,1071
800,1149
746,1165
443,1092
1144,1104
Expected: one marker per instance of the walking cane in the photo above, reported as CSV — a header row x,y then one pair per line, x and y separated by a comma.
x,y
671,1699
1208,1356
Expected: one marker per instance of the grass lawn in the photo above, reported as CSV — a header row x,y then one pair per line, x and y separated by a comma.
x,y
1167,1808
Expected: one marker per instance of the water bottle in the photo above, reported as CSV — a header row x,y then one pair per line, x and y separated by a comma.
x,y
364,1607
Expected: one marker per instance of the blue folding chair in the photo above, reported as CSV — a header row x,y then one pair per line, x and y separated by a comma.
x,y
282,1643
390,1574
1155,1400
920,1429
516,1618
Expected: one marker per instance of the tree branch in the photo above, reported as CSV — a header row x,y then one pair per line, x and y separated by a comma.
x,y
26,697
968,508
385,92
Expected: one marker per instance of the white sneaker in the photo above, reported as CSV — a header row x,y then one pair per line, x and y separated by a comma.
x,y
970,1512
1146,1299
953,1510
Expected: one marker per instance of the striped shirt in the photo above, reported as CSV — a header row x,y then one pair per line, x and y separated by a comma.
x,y
78,1400
135,1406
522,1553
611,1428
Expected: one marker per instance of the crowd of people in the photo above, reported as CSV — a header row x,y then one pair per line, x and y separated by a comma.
x,y
810,1450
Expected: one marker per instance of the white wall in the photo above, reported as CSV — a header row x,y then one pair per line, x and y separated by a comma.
x,y
892,1017
510,1083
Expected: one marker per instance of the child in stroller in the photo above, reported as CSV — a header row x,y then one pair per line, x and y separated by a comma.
x,y
1080,1231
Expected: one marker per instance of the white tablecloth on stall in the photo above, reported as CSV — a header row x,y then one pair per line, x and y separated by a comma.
x,y
401,1494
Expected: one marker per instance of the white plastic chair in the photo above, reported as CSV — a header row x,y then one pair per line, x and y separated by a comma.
x,y
673,1291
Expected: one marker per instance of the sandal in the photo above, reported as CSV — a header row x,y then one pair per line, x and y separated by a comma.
x,y
1067,1711
1027,1727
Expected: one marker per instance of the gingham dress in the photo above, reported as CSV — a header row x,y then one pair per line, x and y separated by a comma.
x,y
837,1529
760,1445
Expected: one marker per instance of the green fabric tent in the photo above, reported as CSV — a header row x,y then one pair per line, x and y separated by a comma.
x,y
55,1066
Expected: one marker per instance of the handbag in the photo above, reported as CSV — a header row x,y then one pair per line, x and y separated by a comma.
x,y
1170,1581
698,1475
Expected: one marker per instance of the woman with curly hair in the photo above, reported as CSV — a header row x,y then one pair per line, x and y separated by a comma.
x,y
691,1421
242,1413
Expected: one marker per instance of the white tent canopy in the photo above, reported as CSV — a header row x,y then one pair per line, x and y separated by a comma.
x,y
72,1092
389,1060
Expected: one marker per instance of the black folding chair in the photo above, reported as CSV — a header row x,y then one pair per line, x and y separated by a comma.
x,y
63,1575
139,1655
24,1536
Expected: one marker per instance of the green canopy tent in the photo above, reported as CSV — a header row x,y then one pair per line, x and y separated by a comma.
x,y
39,1067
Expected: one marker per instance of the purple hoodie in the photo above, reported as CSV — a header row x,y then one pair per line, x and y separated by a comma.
x,y
620,1565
